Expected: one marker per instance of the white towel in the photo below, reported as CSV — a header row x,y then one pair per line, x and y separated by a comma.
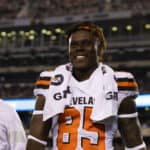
x,y
105,106
52,106
102,108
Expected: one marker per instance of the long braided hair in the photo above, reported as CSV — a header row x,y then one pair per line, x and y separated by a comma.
x,y
95,29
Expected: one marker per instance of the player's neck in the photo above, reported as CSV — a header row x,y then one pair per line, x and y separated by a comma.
x,y
83,74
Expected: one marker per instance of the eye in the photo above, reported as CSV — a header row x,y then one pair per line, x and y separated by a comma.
x,y
87,43
83,43
73,44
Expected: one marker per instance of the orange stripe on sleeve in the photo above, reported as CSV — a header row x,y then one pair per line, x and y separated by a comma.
x,y
42,82
128,84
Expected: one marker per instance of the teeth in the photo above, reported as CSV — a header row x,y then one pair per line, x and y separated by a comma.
x,y
80,57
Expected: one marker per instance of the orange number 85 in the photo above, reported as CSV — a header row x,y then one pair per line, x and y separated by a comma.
x,y
77,131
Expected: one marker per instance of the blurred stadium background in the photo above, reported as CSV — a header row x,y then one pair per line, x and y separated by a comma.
x,y
32,39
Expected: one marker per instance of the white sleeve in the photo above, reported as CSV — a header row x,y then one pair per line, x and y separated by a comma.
x,y
127,85
16,133
43,83
4,145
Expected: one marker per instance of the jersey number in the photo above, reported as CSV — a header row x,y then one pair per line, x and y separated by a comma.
x,y
78,132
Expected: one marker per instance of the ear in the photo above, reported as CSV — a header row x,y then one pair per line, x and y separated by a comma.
x,y
69,41
97,50
100,52
98,46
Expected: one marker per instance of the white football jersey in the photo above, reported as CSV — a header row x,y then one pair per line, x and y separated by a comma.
x,y
12,134
73,129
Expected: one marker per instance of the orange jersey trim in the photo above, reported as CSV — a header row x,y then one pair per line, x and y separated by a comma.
x,y
127,84
43,82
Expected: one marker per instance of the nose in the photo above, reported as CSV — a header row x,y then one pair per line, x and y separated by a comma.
x,y
80,46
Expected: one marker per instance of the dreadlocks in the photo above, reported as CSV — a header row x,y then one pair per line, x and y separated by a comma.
x,y
95,29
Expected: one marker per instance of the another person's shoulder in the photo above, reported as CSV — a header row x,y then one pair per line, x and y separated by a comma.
x,y
5,107
7,112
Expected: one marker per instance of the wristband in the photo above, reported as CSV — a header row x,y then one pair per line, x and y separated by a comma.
x,y
133,115
138,147
38,112
37,140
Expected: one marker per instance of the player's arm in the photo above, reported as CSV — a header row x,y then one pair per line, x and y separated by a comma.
x,y
129,126
39,130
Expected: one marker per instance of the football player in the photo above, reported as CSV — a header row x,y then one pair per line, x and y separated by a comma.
x,y
78,102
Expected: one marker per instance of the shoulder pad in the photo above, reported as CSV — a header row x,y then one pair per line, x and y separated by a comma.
x,y
106,68
46,73
44,80
126,81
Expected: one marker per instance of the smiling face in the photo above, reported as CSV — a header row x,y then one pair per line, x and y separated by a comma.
x,y
83,50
